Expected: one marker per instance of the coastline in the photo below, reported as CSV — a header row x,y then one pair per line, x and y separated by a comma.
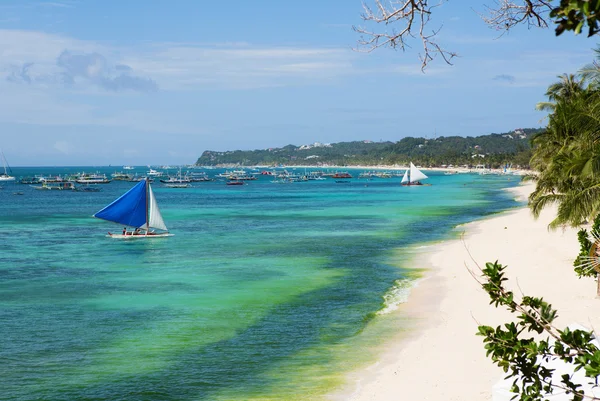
x,y
441,358
396,167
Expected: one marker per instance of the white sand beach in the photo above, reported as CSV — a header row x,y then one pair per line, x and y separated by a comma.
x,y
443,359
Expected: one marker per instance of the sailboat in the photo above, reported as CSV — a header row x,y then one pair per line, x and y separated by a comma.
x,y
413,176
5,176
138,211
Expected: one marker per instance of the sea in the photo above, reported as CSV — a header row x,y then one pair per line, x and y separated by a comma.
x,y
266,291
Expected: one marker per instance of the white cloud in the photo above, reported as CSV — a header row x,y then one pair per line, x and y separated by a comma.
x,y
173,66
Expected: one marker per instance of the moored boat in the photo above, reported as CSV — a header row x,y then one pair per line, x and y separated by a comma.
x,y
178,185
342,175
55,186
120,176
5,177
95,178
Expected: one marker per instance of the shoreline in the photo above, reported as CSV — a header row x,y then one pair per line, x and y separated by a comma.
x,y
396,167
440,357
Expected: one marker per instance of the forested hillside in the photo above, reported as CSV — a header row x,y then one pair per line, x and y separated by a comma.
x,y
492,150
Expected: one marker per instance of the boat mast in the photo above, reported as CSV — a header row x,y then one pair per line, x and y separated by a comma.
x,y
4,162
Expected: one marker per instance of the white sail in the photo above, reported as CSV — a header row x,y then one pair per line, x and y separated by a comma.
x,y
155,219
405,178
416,174
5,176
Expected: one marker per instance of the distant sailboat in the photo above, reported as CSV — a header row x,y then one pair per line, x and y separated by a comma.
x,y
413,176
5,177
138,211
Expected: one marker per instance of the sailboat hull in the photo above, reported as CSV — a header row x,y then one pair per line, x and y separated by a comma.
x,y
138,236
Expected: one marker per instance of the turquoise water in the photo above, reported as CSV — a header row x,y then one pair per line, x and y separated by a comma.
x,y
263,293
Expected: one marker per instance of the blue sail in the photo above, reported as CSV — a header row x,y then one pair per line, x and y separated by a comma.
x,y
130,209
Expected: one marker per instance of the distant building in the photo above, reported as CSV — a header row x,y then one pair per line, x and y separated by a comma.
x,y
314,145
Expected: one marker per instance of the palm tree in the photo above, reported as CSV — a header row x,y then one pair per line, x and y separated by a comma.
x,y
567,154
568,88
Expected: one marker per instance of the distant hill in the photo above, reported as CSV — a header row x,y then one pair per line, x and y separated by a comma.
x,y
492,150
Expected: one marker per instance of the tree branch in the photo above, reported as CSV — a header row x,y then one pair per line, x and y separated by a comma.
x,y
413,17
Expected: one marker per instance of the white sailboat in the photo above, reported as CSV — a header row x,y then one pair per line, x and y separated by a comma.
x,y
413,176
5,177
138,211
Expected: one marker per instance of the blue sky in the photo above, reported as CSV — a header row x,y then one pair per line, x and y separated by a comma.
x,y
101,82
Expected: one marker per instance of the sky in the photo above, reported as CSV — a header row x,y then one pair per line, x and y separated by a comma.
x,y
106,82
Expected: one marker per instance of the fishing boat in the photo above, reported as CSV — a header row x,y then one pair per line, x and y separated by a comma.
x,y
55,186
138,211
95,178
5,177
121,176
199,177
178,185
137,178
413,176
177,179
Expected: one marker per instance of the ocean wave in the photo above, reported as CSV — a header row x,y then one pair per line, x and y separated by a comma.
x,y
396,295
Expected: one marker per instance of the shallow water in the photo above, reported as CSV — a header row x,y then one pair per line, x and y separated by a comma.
x,y
261,294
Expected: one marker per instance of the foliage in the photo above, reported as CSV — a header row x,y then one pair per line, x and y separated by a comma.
x,y
521,355
397,23
584,249
585,245
567,153
573,15
494,150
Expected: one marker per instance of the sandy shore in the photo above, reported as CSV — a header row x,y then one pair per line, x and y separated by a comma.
x,y
443,359
396,167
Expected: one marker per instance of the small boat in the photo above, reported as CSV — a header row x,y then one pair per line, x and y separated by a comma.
x,y
342,175
413,176
96,178
235,182
154,173
178,185
199,177
138,211
55,186
5,177
127,167
121,176
178,179
135,178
